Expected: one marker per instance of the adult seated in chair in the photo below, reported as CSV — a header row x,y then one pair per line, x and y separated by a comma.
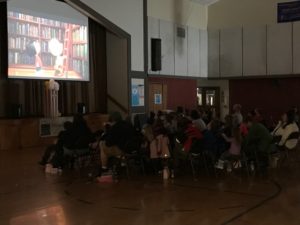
x,y
283,131
64,138
114,143
80,136
258,142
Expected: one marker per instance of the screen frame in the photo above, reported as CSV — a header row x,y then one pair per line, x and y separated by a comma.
x,y
64,20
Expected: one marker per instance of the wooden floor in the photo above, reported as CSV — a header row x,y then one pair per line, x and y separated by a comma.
x,y
30,197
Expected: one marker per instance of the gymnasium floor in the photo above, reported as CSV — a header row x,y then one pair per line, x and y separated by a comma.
x,y
30,197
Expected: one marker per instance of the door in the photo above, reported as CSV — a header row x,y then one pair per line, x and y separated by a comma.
x,y
157,97
209,99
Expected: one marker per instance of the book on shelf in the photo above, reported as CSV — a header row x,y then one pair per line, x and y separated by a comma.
x,y
19,43
48,60
23,29
50,32
80,34
80,51
22,58
22,16
30,18
80,66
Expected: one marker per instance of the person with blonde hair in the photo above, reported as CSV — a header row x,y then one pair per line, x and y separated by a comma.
x,y
237,117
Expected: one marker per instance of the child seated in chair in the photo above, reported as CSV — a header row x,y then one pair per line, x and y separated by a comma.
x,y
234,149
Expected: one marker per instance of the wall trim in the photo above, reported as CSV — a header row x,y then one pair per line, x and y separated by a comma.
x,y
91,13
145,19
172,76
137,74
281,76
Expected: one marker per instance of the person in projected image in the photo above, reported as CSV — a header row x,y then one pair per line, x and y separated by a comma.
x,y
34,49
56,49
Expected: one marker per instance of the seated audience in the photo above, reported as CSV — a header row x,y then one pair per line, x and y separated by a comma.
x,y
237,117
197,121
235,147
243,129
159,145
193,139
296,111
114,143
258,143
64,138
81,137
284,129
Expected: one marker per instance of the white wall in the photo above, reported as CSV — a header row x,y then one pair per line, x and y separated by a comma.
x,y
237,13
128,15
179,56
182,12
51,9
117,79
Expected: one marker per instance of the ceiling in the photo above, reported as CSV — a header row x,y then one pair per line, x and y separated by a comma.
x,y
205,2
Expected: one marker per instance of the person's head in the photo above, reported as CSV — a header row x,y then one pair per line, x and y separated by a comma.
x,y
55,47
136,122
152,115
33,48
250,119
228,120
115,117
179,110
68,125
98,134
288,117
295,109
237,108
183,123
257,112
159,113
169,117
214,126
195,115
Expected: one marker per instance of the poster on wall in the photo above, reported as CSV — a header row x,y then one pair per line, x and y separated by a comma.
x,y
137,92
157,99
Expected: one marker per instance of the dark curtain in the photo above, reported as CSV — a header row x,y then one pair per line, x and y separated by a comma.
x,y
29,93
93,93
3,40
97,38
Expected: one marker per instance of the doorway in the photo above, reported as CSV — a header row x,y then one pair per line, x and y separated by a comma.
x,y
209,99
157,97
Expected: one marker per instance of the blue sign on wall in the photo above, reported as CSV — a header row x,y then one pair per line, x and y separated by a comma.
x,y
137,92
288,11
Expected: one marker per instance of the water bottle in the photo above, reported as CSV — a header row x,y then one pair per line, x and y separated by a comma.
x,y
166,173
172,174
252,166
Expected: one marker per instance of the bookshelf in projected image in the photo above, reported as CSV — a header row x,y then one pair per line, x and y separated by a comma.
x,y
25,29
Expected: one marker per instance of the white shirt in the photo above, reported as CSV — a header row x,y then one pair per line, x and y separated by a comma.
x,y
285,133
200,124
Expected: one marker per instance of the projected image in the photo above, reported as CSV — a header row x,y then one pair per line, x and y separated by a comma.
x,y
41,48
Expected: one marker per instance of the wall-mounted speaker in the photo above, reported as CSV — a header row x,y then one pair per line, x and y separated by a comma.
x,y
16,111
81,109
155,54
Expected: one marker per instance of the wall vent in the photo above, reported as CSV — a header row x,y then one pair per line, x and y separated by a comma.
x,y
181,32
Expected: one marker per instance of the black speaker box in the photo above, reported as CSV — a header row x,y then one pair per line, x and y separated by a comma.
x,y
81,109
155,54
16,111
